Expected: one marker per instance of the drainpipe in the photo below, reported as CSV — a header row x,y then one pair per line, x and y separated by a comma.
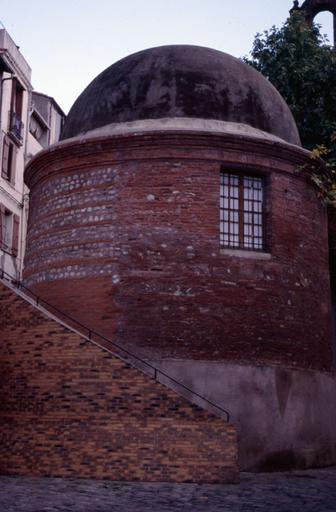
x,y
1,95
25,197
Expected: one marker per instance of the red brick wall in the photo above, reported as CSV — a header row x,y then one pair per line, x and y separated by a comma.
x,y
332,245
124,234
68,408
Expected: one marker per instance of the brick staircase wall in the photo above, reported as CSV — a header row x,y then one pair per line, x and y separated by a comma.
x,y
69,408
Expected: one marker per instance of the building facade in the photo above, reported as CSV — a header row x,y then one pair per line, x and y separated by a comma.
x,y
15,97
178,218
29,122
207,180
45,123
311,8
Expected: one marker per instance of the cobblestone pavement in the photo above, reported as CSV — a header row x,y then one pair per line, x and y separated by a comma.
x,y
300,491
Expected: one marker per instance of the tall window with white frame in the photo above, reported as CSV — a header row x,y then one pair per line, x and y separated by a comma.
x,y
8,160
9,231
242,211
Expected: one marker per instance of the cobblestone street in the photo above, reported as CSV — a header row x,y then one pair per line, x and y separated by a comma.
x,y
300,491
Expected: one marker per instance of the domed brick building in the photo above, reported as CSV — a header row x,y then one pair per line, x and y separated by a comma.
x,y
177,217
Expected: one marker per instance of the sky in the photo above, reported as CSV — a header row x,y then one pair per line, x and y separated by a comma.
x,y
67,43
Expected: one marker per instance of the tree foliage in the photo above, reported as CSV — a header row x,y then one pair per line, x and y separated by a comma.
x,y
299,62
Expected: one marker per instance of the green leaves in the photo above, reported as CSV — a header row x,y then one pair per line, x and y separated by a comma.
x,y
301,65
299,62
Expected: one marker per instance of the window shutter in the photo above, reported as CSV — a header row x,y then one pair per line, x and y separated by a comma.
x,y
15,238
5,157
13,165
2,223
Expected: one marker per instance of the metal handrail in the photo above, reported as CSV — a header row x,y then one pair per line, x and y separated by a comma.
x,y
90,333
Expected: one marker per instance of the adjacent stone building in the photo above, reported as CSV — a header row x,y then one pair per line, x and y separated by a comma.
x,y
29,121
311,8
45,123
15,93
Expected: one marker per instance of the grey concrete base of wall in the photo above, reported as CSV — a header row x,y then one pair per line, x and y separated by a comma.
x,y
286,418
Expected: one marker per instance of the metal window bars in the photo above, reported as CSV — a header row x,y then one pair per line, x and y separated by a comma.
x,y
242,223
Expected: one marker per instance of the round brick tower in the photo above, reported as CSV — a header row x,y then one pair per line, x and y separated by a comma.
x,y
178,218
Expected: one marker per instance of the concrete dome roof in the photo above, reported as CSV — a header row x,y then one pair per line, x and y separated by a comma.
x,y
181,81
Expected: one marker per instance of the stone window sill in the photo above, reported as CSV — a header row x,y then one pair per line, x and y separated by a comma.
x,y
239,253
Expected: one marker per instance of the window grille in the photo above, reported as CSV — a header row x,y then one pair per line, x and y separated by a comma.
x,y
242,223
